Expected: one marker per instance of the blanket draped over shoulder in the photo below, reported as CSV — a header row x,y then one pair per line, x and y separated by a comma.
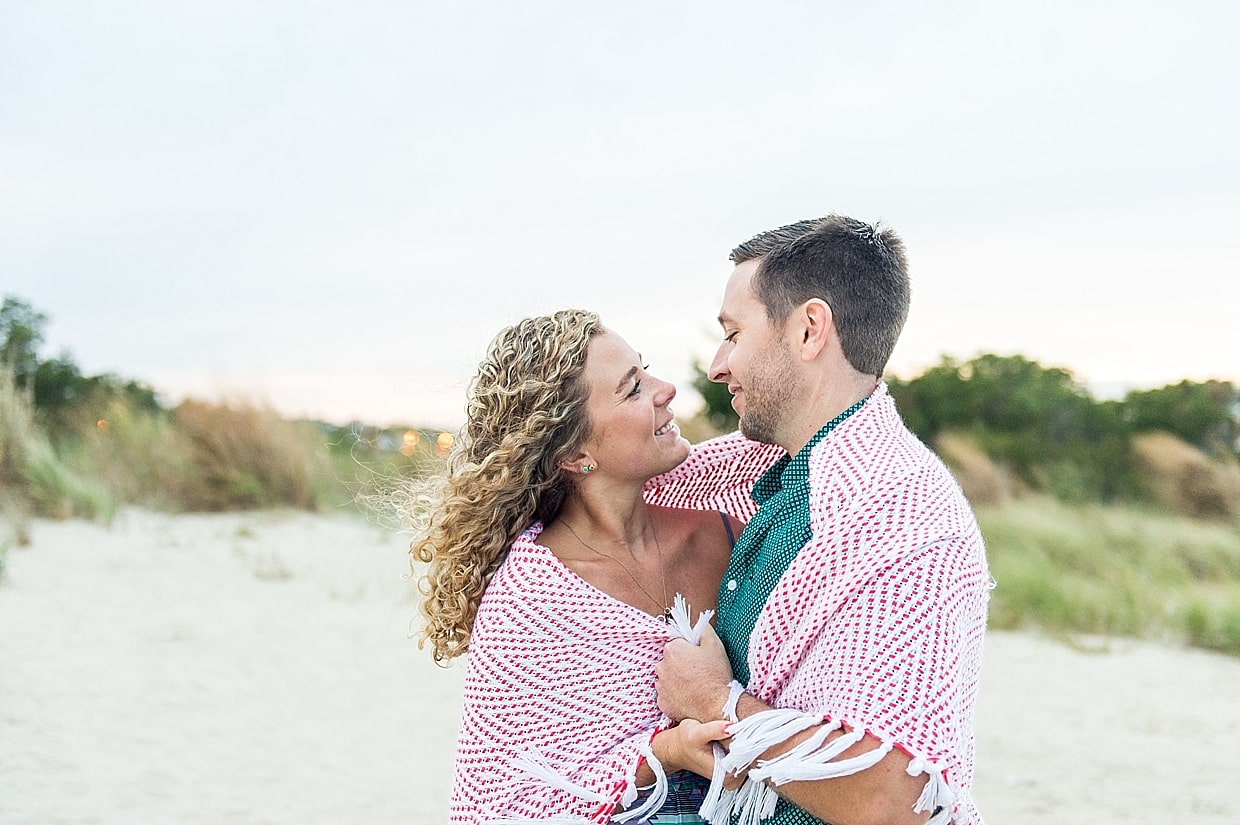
x,y
559,701
877,625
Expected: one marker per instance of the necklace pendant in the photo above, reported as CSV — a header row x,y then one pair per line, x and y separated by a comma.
x,y
667,615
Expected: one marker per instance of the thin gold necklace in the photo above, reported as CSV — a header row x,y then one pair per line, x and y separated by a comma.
x,y
667,610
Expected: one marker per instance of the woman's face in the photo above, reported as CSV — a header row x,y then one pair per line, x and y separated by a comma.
x,y
633,434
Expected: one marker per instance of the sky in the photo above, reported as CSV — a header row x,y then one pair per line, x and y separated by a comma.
x,y
332,208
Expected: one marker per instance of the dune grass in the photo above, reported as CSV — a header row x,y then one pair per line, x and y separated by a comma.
x,y
1114,570
1087,569
247,457
137,455
197,457
33,477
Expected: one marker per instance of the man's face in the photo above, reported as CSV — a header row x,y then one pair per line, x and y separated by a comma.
x,y
754,360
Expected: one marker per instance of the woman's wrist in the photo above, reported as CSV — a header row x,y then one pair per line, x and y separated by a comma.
x,y
666,748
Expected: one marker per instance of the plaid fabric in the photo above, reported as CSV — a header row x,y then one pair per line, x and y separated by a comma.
x,y
685,793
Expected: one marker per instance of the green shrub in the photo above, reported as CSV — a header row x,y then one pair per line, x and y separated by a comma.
x,y
1213,623
1113,570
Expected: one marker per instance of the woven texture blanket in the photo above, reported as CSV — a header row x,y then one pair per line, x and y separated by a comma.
x,y
878,623
559,701
557,672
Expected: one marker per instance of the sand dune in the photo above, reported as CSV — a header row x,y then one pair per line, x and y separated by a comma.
x,y
255,668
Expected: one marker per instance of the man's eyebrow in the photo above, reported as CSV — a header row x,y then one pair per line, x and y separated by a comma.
x,y
628,376
724,318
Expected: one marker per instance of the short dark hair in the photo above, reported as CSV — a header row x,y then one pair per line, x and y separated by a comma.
x,y
761,244
859,269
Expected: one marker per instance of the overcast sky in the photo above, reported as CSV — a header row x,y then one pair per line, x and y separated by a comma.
x,y
332,207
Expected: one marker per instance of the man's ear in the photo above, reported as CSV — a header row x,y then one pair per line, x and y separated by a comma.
x,y
815,324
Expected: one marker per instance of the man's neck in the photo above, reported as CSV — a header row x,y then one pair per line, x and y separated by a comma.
x,y
827,402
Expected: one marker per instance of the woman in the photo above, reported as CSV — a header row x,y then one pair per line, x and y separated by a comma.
x,y
549,568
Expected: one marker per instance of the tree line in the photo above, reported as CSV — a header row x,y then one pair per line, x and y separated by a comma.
x,y
1043,425
62,394
78,444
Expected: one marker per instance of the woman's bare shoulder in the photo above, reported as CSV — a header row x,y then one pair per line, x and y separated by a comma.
x,y
687,526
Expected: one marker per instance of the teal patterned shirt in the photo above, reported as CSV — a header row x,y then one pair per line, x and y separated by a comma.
x,y
764,549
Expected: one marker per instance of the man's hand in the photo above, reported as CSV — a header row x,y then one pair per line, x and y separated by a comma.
x,y
692,680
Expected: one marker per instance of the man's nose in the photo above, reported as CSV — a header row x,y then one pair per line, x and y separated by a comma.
x,y
719,367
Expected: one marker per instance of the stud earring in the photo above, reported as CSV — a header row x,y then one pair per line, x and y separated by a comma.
x,y
586,469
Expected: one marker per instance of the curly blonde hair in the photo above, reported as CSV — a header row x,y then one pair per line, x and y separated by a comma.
x,y
526,415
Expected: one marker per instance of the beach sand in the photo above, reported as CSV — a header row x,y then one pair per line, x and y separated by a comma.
x,y
256,668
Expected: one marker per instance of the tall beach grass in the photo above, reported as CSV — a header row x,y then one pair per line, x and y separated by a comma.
x,y
1114,570
247,457
198,456
34,480
1067,569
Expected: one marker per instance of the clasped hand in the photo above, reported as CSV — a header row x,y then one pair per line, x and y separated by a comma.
x,y
692,683
692,680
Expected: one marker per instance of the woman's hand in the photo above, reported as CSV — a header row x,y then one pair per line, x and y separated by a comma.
x,y
689,746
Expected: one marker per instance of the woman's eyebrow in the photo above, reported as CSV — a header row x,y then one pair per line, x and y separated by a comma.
x,y
628,376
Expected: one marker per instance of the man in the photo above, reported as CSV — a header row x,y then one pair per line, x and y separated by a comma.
x,y
853,611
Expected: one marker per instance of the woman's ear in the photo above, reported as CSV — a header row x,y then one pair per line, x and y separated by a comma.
x,y
578,463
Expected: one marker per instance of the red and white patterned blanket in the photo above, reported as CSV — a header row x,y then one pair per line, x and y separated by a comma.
x,y
559,700
878,623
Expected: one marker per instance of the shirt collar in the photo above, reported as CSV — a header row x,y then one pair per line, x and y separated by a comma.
x,y
789,468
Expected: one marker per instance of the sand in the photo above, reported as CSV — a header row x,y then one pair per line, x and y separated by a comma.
x,y
256,668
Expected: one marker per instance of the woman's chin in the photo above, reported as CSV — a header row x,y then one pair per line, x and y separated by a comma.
x,y
681,452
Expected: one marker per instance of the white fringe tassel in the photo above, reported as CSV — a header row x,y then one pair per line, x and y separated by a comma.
x,y
657,796
537,766
718,798
811,760
735,689
755,734
679,625
754,801
936,794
